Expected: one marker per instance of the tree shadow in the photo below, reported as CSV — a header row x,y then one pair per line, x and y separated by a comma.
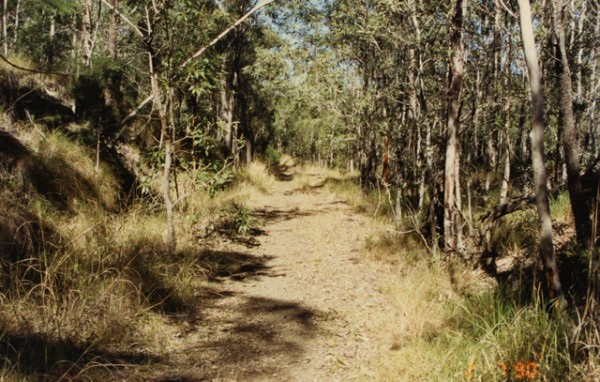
x,y
522,279
283,172
154,273
517,282
49,359
238,266
30,102
263,338
276,215
49,176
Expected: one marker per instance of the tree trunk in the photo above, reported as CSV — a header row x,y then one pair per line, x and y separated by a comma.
x,y
227,115
546,249
593,93
167,140
249,150
452,221
5,27
17,22
52,36
507,122
386,162
86,34
579,202
113,50
506,172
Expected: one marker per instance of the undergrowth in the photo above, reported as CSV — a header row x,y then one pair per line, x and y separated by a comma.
x,y
87,287
455,321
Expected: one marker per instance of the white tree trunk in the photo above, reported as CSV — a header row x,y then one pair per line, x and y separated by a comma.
x,y
536,135
452,204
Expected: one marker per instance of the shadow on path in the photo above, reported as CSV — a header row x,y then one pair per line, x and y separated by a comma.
x,y
283,172
235,265
270,215
50,360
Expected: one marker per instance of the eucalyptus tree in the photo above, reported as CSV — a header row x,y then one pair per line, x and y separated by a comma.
x,y
546,248
452,195
580,204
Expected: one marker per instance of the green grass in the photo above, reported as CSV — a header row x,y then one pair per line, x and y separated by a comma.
x,y
456,323
487,338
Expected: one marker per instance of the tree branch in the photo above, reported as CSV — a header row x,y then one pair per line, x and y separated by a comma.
x,y
201,51
520,203
32,70
122,16
137,109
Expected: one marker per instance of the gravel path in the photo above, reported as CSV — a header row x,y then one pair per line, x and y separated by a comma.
x,y
302,305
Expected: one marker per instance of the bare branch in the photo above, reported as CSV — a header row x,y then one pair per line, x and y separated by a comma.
x,y
201,51
122,16
137,109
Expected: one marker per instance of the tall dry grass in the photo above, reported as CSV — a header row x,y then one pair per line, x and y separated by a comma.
x,y
93,295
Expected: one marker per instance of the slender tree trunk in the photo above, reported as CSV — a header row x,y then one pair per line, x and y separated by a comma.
x,y
506,111
113,49
17,22
52,36
579,202
579,71
227,115
167,140
5,27
506,172
546,249
386,161
415,106
593,93
452,221
86,34
168,144
434,199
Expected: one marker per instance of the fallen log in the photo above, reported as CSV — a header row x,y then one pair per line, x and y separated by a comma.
x,y
520,203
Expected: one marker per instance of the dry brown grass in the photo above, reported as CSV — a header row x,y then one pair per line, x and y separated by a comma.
x,y
96,290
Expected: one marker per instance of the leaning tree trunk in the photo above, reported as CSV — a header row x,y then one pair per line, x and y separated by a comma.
x,y
579,202
546,249
452,225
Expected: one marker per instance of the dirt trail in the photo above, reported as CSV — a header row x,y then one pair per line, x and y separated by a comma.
x,y
299,306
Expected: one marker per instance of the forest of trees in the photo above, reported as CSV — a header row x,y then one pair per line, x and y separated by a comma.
x,y
456,113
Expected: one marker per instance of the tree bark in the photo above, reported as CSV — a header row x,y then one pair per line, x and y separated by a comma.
x,y
452,221
507,122
227,103
579,202
17,22
86,34
546,250
51,37
166,138
167,141
595,85
113,50
5,27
